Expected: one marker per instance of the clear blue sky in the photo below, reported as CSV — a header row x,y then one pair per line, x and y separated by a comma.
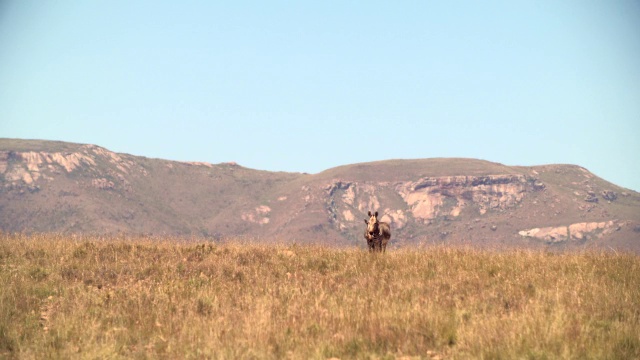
x,y
309,85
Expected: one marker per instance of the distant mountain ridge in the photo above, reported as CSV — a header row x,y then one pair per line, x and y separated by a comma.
x,y
51,186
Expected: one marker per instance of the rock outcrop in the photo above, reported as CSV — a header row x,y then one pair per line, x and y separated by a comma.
x,y
425,199
259,215
573,232
609,195
431,197
24,169
591,197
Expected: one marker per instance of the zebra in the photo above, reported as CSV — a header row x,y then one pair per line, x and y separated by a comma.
x,y
377,233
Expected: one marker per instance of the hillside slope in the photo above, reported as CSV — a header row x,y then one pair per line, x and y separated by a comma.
x,y
48,186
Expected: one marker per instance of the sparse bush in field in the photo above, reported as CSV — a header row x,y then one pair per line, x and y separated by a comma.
x,y
97,298
204,306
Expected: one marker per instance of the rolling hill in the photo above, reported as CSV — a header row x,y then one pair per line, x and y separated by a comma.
x,y
50,186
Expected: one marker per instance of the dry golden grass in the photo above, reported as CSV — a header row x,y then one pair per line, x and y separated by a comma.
x,y
142,298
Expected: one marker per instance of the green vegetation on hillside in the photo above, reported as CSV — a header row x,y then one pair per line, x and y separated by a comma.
x,y
136,298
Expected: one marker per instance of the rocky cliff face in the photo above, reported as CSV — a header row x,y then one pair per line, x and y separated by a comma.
x,y
426,199
86,188
573,232
24,170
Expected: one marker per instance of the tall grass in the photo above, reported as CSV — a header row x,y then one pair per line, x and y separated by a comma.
x,y
137,298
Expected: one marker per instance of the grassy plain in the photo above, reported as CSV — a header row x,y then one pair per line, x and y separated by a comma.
x,y
62,297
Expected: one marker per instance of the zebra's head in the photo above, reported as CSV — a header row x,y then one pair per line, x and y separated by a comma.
x,y
372,224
